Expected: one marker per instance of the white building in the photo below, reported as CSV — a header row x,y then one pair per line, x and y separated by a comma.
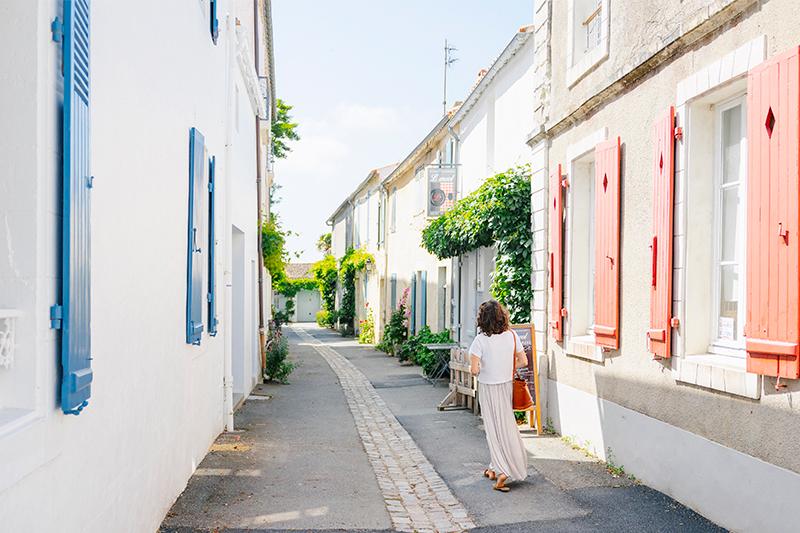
x,y
490,129
153,116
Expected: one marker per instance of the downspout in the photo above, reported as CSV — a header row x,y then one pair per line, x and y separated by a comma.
x,y
261,332
227,316
456,263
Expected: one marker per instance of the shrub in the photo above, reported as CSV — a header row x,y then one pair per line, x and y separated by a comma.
x,y
396,331
325,319
280,317
366,329
278,368
415,351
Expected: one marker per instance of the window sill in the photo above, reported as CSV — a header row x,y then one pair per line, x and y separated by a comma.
x,y
584,347
717,372
590,59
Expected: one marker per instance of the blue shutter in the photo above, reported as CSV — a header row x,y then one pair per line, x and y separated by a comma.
x,y
74,313
413,317
214,21
212,295
424,298
194,275
393,290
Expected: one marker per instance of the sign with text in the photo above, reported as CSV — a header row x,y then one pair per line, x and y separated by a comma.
x,y
441,189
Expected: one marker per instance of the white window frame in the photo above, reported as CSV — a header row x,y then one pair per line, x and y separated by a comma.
x,y
579,343
710,370
578,67
718,345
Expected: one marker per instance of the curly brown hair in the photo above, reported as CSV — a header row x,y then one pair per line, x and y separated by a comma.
x,y
492,318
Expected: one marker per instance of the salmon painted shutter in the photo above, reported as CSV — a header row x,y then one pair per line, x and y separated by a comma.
x,y
606,274
773,233
660,332
556,253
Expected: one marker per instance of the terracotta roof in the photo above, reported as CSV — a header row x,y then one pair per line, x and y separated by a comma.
x,y
298,270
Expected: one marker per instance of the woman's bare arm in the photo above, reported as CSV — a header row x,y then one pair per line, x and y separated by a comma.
x,y
520,359
474,364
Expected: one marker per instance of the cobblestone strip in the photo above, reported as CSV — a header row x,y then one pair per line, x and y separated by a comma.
x,y
416,496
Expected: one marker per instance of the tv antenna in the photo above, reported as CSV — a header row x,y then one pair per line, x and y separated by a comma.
x,y
448,60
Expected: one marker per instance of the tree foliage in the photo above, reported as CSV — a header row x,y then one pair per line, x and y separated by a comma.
x,y
324,243
498,212
283,130
325,274
273,248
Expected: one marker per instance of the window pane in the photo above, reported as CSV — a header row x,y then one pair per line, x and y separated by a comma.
x,y
728,302
730,210
731,141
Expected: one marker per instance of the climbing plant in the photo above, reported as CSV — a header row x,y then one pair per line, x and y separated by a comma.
x,y
290,287
353,261
273,247
325,274
499,213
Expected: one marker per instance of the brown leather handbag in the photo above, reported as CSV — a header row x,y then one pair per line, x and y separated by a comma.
x,y
522,399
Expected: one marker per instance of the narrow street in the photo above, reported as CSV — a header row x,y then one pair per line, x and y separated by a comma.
x,y
355,443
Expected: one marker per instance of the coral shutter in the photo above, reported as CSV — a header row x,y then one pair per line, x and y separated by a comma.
x,y
660,332
556,253
606,274
771,326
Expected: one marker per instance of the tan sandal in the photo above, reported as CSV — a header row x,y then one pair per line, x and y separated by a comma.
x,y
501,483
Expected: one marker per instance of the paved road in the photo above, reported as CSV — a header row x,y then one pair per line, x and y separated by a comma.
x,y
355,443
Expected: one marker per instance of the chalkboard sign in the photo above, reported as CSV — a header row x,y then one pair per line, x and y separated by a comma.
x,y
527,335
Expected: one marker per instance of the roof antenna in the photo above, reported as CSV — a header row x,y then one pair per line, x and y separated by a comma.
x,y
448,60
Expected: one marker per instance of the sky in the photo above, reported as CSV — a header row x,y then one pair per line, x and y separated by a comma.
x,y
365,80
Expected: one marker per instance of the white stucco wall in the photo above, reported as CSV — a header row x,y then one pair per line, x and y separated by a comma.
x,y
157,403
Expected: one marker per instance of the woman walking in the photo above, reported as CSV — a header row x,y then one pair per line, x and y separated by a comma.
x,y
494,355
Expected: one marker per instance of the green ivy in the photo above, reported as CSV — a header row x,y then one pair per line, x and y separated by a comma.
x,y
273,242
354,261
497,213
290,287
326,273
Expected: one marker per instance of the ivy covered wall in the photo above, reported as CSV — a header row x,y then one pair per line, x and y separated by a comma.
x,y
497,213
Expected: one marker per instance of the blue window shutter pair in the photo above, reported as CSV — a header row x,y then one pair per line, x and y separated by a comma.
x,y
194,274
413,317
424,298
73,315
214,21
212,298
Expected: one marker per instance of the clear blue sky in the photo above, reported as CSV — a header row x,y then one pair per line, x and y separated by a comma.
x,y
365,80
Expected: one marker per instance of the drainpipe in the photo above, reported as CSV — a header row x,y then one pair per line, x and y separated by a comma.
x,y
261,332
456,263
227,317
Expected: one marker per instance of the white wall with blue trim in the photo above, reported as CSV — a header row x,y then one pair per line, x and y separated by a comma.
x,y
156,402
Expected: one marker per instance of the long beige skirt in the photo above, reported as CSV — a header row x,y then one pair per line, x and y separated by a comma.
x,y
508,455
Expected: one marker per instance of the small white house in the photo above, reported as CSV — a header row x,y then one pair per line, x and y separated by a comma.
x,y
135,148
307,302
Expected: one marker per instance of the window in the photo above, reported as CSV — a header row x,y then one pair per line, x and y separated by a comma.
x,y
393,224
710,227
587,36
380,221
393,291
580,245
730,168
